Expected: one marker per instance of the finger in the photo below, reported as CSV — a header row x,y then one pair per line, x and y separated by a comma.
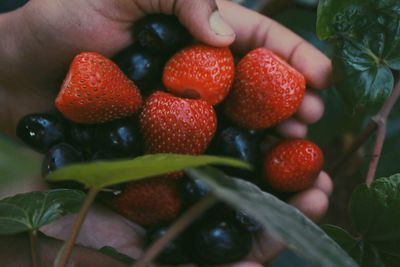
x,y
292,128
200,17
265,247
255,30
324,183
311,109
312,202
111,230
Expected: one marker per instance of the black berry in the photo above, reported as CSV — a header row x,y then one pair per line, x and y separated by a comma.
x,y
161,34
218,242
237,143
59,156
193,190
41,131
141,67
81,135
118,139
174,252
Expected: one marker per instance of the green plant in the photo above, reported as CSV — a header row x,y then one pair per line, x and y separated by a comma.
x,y
365,37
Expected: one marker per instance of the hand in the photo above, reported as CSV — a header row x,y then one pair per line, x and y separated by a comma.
x,y
42,38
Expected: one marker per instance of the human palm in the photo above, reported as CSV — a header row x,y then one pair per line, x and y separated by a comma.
x,y
43,37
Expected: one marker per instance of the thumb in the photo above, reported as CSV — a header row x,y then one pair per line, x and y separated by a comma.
x,y
200,17
204,22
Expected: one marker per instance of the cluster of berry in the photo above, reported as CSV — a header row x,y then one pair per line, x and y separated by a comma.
x,y
166,94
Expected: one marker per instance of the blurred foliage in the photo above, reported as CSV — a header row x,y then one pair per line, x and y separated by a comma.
x,y
375,219
16,162
307,3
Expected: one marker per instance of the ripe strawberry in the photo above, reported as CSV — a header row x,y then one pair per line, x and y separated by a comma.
x,y
149,202
265,92
171,124
200,71
293,165
95,90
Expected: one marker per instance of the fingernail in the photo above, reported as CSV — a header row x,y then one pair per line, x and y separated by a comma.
x,y
219,26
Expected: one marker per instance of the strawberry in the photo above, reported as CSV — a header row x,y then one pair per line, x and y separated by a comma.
x,y
171,124
149,202
265,92
95,90
200,71
292,165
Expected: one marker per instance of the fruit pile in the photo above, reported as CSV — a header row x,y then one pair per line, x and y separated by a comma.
x,y
168,94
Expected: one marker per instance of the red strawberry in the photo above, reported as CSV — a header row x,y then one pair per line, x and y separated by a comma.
x,y
95,90
293,165
171,124
200,71
149,202
265,92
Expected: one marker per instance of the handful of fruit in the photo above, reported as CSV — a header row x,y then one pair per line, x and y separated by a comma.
x,y
166,94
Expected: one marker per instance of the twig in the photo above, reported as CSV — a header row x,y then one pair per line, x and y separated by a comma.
x,y
377,122
69,244
185,220
34,248
381,120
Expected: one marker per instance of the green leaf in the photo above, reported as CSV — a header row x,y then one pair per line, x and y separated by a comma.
x,y
30,211
102,174
113,253
12,158
374,213
359,76
279,218
337,15
366,37
353,246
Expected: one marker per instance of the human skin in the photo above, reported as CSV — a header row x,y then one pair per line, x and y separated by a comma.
x,y
39,41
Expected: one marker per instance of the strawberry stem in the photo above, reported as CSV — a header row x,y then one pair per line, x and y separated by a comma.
x,y
34,248
66,250
378,122
185,220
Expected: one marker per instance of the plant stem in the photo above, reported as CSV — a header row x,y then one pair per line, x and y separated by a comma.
x,y
381,121
378,122
185,220
34,248
66,250
373,165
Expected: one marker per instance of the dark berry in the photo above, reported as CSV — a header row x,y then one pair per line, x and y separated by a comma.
x,y
118,139
41,131
237,143
161,34
81,135
9,5
141,67
193,190
247,223
174,252
218,242
59,156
